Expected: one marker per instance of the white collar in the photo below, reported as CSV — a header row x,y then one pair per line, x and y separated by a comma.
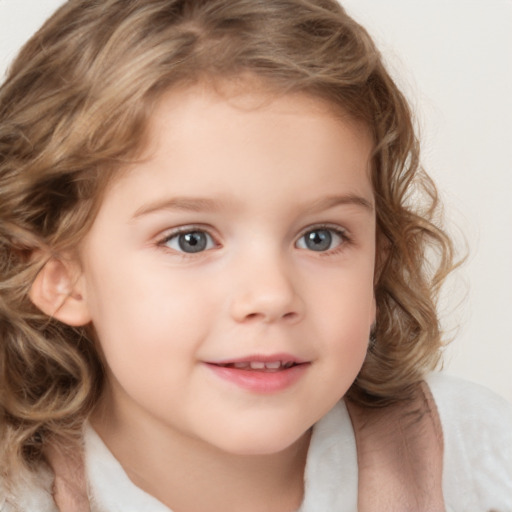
x,y
331,467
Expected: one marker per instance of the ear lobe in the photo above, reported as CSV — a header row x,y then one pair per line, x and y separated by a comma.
x,y
56,292
382,255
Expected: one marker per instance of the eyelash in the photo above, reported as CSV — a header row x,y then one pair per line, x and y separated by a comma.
x,y
336,230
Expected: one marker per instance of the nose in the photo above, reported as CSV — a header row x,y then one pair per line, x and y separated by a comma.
x,y
265,290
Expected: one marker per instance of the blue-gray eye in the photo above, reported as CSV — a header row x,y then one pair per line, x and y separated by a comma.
x,y
320,239
190,242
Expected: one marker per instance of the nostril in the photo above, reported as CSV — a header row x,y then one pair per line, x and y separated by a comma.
x,y
266,307
291,315
251,316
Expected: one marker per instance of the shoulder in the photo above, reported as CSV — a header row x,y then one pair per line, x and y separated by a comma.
x,y
477,431
471,410
475,407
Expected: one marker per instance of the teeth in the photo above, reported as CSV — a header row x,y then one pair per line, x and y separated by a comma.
x,y
260,365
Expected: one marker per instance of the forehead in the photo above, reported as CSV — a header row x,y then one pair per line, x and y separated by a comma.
x,y
251,95
216,139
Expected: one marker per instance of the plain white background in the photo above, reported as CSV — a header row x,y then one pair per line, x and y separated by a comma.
x,y
453,60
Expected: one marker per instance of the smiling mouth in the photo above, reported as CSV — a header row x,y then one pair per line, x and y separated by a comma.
x,y
261,374
260,366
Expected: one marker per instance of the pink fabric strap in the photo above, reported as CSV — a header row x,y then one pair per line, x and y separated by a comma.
x,y
400,455
69,486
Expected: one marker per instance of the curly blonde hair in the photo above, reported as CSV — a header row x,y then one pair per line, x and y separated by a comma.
x,y
74,109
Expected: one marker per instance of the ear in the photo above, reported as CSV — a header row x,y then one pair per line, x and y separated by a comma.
x,y
382,255
57,292
374,311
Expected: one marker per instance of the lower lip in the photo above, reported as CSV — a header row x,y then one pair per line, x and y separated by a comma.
x,y
258,381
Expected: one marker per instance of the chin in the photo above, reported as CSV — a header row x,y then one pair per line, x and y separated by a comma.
x,y
268,442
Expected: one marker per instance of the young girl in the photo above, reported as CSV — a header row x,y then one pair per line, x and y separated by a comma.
x,y
219,272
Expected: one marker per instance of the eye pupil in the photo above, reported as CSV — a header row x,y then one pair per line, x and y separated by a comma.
x,y
195,241
318,240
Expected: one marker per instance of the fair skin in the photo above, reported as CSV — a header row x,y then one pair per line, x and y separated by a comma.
x,y
245,235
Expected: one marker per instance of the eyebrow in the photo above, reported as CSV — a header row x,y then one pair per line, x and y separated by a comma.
x,y
340,200
202,204
188,204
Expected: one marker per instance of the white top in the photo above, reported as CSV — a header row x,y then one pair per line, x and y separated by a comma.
x,y
477,473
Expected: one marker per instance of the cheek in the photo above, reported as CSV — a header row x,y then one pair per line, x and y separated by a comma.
x,y
344,315
346,297
146,319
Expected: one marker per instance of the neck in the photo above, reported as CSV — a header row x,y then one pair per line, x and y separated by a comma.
x,y
205,478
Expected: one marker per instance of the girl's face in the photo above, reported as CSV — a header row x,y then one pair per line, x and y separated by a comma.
x,y
229,274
